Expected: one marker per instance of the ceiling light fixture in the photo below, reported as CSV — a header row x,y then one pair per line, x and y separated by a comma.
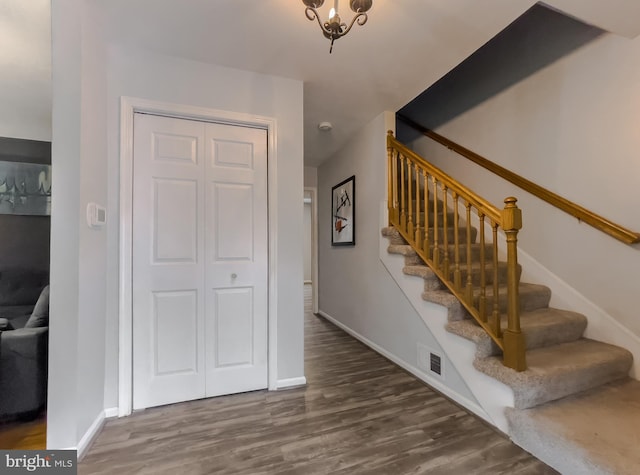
x,y
334,28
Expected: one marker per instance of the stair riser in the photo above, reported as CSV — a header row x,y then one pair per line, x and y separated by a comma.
x,y
543,337
462,253
462,235
557,371
529,301
542,328
575,383
475,249
476,275
431,281
450,218
413,261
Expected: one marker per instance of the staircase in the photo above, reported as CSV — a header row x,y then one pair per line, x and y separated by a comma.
x,y
574,406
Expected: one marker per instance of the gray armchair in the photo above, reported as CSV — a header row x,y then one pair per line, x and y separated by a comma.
x,y
23,362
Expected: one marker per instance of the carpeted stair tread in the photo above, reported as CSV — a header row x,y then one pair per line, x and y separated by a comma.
x,y
595,432
560,370
393,235
402,249
423,271
431,280
456,310
542,327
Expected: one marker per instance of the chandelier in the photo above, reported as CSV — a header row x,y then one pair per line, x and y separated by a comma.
x,y
334,28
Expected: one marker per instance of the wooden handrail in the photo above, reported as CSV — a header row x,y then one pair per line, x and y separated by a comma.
x,y
582,214
420,200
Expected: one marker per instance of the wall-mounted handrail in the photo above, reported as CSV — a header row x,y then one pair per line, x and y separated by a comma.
x,y
582,214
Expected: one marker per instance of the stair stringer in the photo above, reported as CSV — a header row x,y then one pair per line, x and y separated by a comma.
x,y
492,396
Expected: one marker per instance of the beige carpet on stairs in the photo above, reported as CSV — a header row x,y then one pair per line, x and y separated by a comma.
x,y
595,432
575,407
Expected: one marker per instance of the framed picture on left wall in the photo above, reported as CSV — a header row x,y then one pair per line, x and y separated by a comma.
x,y
25,188
343,213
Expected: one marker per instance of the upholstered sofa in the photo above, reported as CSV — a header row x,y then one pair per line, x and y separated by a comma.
x,y
24,333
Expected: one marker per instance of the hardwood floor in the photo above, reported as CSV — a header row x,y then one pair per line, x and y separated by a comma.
x,y
358,414
30,435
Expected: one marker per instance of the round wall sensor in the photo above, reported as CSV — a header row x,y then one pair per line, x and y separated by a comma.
x,y
325,126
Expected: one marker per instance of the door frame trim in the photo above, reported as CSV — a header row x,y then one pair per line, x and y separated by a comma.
x,y
128,107
314,245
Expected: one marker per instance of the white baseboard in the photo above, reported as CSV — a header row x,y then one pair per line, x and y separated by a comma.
x,y
431,381
292,382
111,412
92,432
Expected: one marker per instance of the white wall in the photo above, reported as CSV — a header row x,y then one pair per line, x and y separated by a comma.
x,y
89,78
78,257
354,286
141,74
310,177
572,128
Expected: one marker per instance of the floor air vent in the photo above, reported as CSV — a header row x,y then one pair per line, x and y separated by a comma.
x,y
436,364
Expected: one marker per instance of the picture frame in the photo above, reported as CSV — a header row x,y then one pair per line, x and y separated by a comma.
x,y
343,213
25,188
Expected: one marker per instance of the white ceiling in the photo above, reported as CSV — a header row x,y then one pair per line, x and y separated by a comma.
x,y
405,47
25,65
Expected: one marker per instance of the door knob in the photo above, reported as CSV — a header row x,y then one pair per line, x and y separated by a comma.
x,y
234,275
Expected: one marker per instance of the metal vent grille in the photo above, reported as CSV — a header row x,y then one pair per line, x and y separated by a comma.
x,y
435,364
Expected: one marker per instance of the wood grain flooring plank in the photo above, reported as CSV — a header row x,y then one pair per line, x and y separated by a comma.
x,y
358,414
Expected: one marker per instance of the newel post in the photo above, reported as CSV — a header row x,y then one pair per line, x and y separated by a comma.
x,y
513,338
390,179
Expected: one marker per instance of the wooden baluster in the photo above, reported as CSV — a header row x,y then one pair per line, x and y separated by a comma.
x,y
410,228
390,181
426,214
418,234
514,341
403,212
396,211
436,249
445,230
482,303
468,294
457,275
495,316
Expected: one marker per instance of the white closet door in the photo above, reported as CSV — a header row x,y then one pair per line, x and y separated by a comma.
x,y
199,218
236,272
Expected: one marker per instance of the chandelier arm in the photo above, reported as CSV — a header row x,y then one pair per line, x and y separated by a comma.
x,y
361,18
312,14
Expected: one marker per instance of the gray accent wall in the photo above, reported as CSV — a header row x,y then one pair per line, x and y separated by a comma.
x,y
24,240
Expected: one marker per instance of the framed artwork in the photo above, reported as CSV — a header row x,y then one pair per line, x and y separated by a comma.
x,y
343,213
25,188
